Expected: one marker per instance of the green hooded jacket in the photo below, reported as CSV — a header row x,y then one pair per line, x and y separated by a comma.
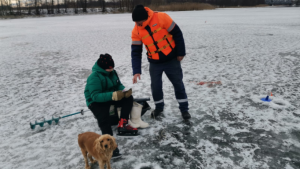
x,y
101,84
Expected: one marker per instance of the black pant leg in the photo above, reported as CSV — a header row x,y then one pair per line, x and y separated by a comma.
x,y
126,105
173,71
101,112
156,71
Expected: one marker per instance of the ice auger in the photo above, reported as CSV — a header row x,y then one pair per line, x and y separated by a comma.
x,y
55,120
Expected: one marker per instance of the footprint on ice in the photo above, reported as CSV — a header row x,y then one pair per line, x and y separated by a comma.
x,y
276,103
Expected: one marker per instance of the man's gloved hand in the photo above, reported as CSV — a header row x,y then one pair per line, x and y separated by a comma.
x,y
117,95
128,93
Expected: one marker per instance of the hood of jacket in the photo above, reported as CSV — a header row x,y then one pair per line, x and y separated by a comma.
x,y
150,15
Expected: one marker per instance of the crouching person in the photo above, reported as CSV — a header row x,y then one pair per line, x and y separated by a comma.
x,y
103,89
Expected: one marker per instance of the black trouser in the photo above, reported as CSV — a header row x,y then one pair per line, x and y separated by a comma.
x,y
101,112
173,71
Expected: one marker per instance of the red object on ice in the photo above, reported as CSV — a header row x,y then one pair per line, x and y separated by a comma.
x,y
211,83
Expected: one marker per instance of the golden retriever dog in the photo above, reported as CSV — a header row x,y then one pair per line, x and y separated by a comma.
x,y
100,147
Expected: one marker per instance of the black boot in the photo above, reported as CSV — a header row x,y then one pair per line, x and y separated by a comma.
x,y
116,153
155,113
186,115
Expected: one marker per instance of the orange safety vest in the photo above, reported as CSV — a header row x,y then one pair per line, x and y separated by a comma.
x,y
159,37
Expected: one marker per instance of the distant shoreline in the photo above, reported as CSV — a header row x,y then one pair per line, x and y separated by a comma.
x,y
71,11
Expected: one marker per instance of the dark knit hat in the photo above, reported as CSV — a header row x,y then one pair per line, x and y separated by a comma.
x,y
105,61
139,13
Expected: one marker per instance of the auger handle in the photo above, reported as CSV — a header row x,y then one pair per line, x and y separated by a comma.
x,y
81,112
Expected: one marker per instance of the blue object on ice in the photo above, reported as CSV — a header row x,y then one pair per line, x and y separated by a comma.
x,y
266,99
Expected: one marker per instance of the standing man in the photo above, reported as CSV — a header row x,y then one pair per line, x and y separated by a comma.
x,y
165,47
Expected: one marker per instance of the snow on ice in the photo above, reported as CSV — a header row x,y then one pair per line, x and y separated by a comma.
x,y
45,62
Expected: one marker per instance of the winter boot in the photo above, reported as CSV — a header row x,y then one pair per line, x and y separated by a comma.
x,y
116,153
129,121
134,125
186,115
135,116
155,113
125,129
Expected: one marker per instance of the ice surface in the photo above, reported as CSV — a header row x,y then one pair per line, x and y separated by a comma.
x,y
44,63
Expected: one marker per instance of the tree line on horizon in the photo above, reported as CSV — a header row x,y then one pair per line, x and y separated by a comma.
x,y
38,7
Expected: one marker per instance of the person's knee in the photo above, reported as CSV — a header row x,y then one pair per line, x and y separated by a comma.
x,y
130,98
156,87
178,87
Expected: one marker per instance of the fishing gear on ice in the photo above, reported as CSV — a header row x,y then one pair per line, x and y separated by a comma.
x,y
56,120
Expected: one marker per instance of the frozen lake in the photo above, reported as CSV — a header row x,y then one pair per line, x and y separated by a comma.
x,y
44,63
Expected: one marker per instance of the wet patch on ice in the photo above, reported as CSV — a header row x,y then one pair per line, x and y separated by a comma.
x,y
268,34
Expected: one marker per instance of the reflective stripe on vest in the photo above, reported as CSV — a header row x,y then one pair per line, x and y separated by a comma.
x,y
162,39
